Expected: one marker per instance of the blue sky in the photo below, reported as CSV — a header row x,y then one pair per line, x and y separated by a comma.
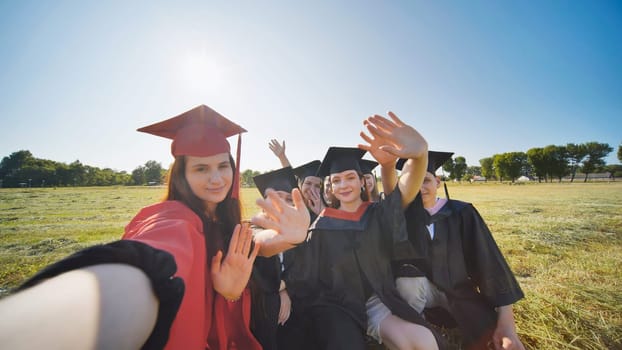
x,y
77,78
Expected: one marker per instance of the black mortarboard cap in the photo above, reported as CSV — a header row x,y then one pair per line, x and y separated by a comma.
x,y
278,180
367,165
308,169
338,159
435,160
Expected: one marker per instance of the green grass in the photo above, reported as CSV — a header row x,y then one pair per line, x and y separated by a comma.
x,y
563,241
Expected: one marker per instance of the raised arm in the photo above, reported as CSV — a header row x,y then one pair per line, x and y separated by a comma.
x,y
391,139
108,306
284,226
279,151
389,177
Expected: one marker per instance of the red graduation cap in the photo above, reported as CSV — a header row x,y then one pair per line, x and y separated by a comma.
x,y
200,132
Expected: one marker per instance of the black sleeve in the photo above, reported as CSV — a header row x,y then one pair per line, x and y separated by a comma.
x,y
413,263
158,265
485,263
393,216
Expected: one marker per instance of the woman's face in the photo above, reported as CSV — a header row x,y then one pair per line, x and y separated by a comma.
x,y
428,189
346,186
210,178
286,196
327,189
370,182
311,183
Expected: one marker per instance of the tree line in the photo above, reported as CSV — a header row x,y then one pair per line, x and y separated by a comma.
x,y
22,169
542,163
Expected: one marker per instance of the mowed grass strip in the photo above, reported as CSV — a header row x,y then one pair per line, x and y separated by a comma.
x,y
563,241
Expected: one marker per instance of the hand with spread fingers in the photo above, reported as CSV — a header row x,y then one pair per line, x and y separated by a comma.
x,y
277,148
391,139
279,151
314,200
291,223
231,274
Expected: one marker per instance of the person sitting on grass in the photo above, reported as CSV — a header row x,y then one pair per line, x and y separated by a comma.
x,y
458,276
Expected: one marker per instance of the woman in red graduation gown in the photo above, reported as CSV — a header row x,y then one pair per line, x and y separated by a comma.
x,y
170,282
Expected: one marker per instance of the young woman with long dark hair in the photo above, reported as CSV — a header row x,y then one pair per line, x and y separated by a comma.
x,y
179,277
347,257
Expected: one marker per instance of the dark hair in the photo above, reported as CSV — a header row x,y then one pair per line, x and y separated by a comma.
x,y
335,203
323,187
217,230
374,195
301,181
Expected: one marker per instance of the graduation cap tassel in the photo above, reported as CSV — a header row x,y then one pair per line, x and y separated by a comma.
x,y
445,183
451,204
236,176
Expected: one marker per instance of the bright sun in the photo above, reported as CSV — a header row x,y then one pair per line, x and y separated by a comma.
x,y
200,71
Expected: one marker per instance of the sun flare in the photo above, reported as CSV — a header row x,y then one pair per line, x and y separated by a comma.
x,y
200,71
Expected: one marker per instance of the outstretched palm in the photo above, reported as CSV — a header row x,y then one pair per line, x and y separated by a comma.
x,y
291,222
231,274
392,138
382,157
277,148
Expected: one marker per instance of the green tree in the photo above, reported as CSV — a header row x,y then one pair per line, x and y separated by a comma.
x,y
470,172
77,174
11,165
499,165
138,176
123,178
448,167
487,169
247,177
557,161
460,166
510,165
594,159
153,172
576,153
23,168
538,161
620,153
614,170
63,175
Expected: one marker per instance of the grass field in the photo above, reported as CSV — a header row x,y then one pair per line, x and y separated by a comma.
x,y
563,241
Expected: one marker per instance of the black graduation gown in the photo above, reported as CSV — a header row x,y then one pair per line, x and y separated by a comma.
x,y
464,261
347,258
266,302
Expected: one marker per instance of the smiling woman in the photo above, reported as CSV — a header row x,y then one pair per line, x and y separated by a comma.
x,y
189,258
210,178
